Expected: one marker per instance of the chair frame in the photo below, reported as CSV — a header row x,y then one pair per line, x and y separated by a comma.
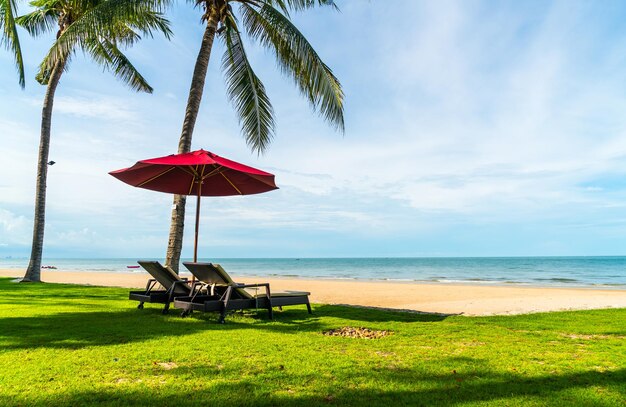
x,y
152,295
228,299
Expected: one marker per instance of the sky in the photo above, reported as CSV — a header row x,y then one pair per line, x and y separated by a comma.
x,y
473,128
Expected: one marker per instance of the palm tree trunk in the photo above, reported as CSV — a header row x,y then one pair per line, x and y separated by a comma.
x,y
177,225
33,272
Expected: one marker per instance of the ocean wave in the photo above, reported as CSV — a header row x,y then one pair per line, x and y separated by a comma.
x,y
398,279
558,280
467,281
598,272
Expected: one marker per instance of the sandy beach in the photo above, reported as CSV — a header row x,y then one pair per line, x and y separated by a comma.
x,y
470,300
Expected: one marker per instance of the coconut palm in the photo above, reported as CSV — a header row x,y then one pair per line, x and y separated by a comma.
x,y
8,35
268,23
101,26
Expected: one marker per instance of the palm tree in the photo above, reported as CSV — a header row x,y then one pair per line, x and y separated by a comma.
x,y
100,26
9,37
268,23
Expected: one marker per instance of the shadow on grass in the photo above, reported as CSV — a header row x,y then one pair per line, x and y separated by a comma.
x,y
374,314
385,388
103,316
44,291
75,330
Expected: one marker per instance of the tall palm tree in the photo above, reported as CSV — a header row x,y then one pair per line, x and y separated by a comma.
x,y
8,35
268,23
100,26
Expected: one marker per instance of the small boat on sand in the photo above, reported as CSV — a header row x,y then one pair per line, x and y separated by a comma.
x,y
49,267
132,267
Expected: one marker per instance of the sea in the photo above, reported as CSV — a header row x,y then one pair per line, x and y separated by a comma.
x,y
598,272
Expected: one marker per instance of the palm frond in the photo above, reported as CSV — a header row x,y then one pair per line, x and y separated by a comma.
x,y
103,20
9,37
38,22
246,92
108,55
125,36
43,75
297,58
298,5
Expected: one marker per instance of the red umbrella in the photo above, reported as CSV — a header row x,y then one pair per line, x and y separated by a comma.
x,y
199,173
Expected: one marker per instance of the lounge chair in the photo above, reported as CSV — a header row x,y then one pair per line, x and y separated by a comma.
x,y
223,294
171,286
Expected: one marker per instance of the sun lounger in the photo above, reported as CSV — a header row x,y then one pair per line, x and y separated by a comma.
x,y
171,286
222,294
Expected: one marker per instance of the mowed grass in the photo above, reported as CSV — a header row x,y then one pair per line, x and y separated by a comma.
x,y
76,345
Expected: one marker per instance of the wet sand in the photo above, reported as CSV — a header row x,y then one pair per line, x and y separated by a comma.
x,y
471,300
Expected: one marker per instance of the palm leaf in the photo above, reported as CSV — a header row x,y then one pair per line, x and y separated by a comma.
x,y
246,92
38,22
103,20
298,5
43,75
297,58
8,35
108,55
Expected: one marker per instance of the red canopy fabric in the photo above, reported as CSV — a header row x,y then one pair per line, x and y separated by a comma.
x,y
199,173
180,173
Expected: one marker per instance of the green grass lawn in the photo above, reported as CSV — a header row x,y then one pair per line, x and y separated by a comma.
x,y
75,345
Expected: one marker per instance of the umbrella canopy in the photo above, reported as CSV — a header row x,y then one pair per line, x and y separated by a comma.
x,y
181,174
199,173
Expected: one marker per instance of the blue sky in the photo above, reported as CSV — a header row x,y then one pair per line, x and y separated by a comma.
x,y
472,129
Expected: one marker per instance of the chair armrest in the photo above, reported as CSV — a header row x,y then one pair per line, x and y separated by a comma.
x,y
196,288
181,282
266,285
172,289
150,285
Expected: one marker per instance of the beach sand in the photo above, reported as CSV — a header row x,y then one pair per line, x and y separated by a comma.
x,y
471,300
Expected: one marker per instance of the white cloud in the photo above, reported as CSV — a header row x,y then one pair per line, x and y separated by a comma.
x,y
14,228
96,107
463,113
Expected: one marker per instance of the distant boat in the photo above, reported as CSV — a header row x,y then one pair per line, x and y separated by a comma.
x,y
49,267
132,267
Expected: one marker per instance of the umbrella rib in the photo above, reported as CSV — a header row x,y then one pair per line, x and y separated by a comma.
x,y
194,176
156,176
190,172
216,170
231,184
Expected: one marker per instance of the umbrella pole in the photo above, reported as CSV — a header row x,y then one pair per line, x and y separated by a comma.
x,y
195,244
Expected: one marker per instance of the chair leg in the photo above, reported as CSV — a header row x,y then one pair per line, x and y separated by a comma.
x,y
222,317
166,309
308,307
225,300
140,306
